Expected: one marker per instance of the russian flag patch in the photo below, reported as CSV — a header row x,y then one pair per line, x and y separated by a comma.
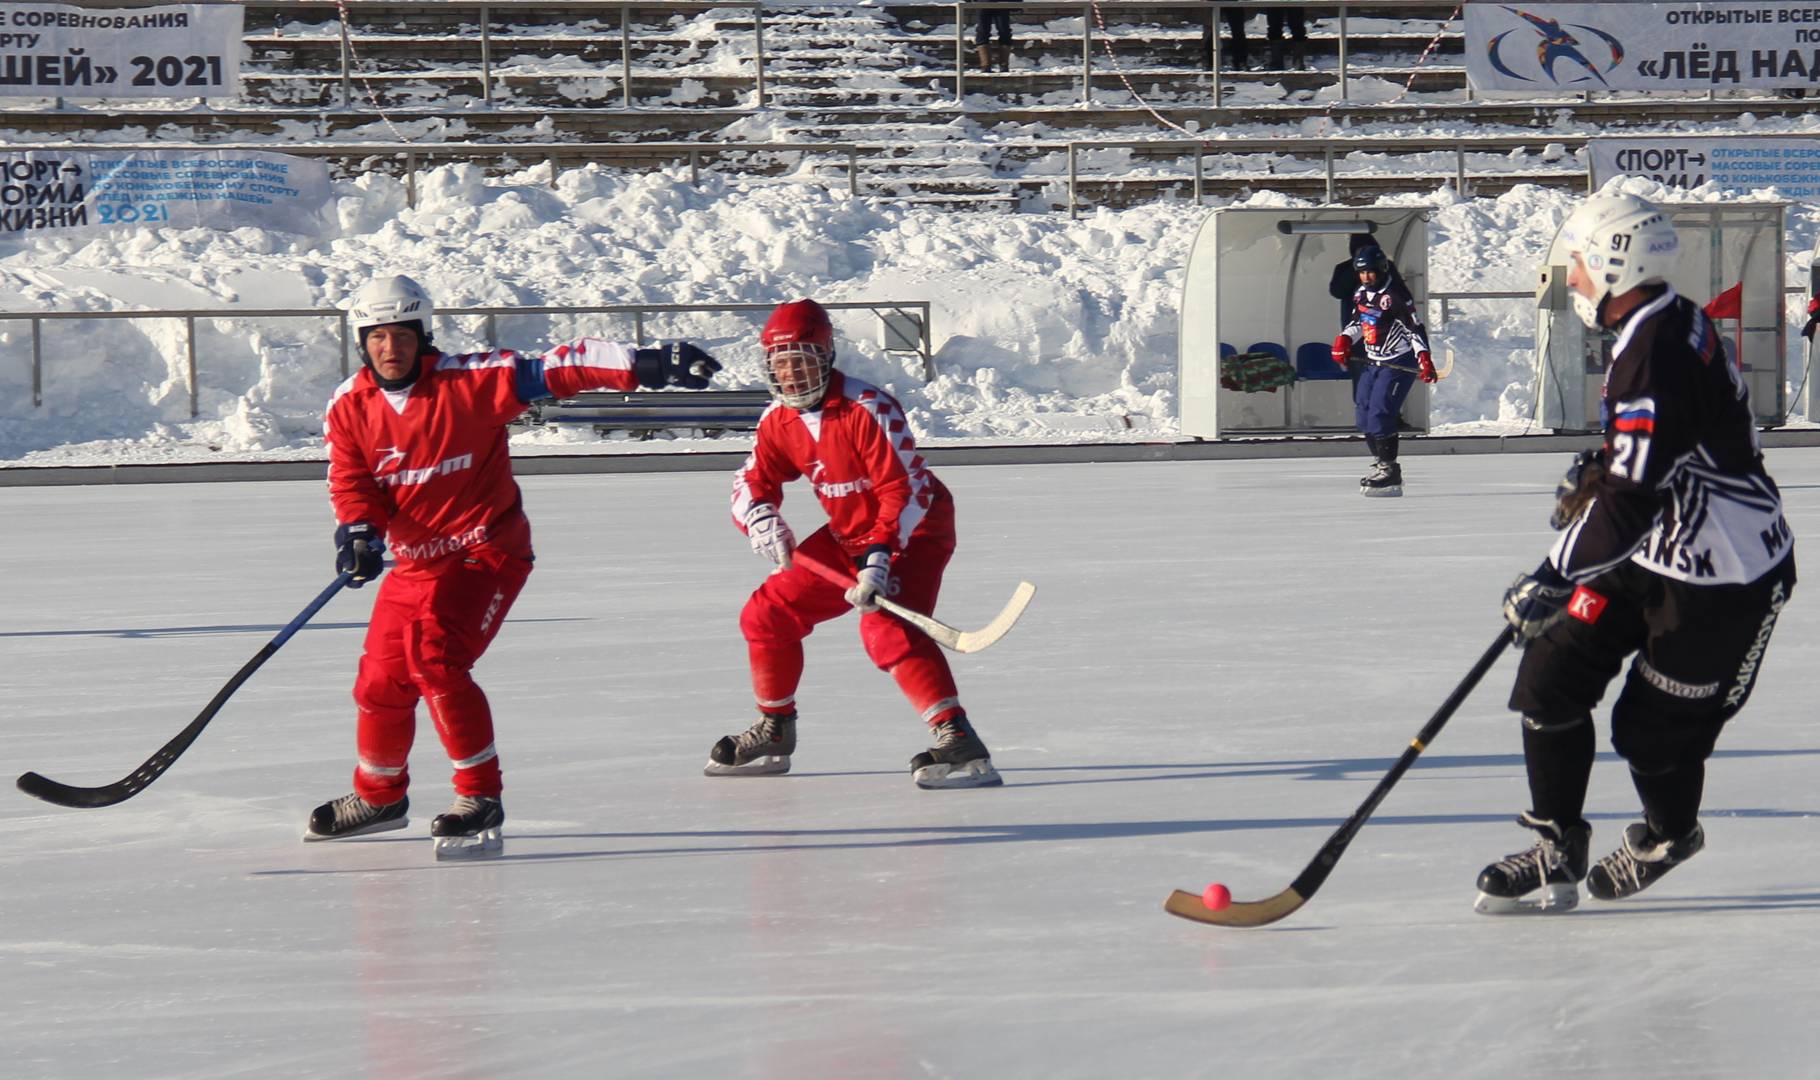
x,y
1636,416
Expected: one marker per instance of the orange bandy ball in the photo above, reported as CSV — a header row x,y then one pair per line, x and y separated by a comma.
x,y
1217,897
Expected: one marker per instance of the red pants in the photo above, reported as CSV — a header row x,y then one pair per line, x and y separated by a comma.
x,y
430,626
783,611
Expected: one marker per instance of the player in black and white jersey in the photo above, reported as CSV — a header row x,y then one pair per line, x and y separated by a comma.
x,y
1673,554
1383,316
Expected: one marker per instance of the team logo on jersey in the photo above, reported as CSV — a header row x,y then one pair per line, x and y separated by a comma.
x,y
1586,605
393,456
412,477
836,490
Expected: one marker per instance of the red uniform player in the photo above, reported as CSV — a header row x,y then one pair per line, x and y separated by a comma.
x,y
887,513
418,462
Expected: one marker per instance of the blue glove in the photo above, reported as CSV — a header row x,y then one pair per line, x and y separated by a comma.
x,y
676,364
1534,602
360,552
872,580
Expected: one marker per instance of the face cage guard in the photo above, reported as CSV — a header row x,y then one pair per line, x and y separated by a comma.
x,y
807,370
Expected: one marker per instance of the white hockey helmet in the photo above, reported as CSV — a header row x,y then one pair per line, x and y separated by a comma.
x,y
1623,241
386,300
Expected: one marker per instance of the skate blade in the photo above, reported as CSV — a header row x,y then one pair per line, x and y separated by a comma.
x,y
770,765
483,844
976,773
1382,493
384,826
1553,900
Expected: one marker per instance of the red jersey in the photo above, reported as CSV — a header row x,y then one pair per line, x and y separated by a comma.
x,y
860,457
428,466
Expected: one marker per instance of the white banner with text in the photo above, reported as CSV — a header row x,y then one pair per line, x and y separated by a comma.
x,y
1744,163
52,192
54,50
1571,48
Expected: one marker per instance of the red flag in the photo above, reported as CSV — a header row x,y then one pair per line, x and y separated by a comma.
x,y
1728,304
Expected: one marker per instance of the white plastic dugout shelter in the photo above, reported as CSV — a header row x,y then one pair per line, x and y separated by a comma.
x,y
1257,282
1810,398
1721,245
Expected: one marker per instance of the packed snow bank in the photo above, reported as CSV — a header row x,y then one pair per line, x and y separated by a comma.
x,y
1042,327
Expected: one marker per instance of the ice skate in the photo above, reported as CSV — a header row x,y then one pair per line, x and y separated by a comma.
x,y
469,829
1546,878
763,749
958,759
1640,860
1384,480
352,815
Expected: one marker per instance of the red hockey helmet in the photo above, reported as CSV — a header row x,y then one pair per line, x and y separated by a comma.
x,y
798,341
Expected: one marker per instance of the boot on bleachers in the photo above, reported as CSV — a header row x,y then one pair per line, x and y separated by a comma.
x,y
1004,56
985,55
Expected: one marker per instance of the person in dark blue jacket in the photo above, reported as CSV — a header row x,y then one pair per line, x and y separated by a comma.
x,y
1384,319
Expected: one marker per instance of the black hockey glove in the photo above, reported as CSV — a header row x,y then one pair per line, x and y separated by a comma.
x,y
676,364
1534,601
359,552
1575,490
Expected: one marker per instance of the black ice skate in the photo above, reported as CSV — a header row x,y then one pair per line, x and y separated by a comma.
x,y
1551,870
1643,857
352,815
469,828
763,749
1384,480
958,759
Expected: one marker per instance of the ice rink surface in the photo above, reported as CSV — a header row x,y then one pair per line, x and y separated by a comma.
x,y
1222,659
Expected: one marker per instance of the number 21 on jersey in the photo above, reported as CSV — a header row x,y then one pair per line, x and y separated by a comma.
x,y
1633,426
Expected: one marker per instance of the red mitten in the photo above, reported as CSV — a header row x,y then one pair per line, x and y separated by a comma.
x,y
1425,367
1342,348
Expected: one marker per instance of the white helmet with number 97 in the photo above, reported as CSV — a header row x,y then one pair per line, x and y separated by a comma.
x,y
1623,242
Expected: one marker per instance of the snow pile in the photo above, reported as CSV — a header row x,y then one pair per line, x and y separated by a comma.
x,y
1043,327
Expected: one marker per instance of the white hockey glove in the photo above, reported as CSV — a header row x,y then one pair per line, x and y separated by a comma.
x,y
770,534
872,580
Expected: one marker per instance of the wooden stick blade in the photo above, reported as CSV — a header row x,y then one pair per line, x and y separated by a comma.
x,y
1238,913
975,640
941,633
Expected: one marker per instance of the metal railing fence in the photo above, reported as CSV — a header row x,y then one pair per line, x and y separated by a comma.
x,y
1330,150
552,153
918,310
1090,13
348,11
